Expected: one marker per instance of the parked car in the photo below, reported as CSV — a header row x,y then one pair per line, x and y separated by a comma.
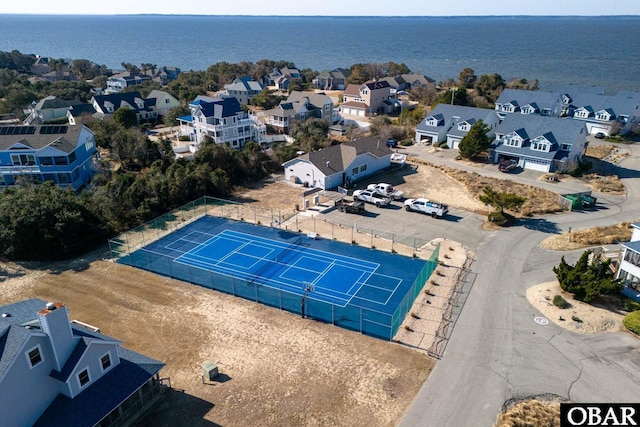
x,y
599,135
426,206
392,143
507,165
386,190
372,197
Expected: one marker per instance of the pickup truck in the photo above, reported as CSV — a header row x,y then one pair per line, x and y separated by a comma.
x,y
386,190
350,206
426,206
371,197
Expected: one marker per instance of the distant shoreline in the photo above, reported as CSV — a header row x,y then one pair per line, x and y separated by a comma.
x,y
342,16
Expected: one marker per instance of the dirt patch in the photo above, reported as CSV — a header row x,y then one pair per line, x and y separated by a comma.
x,y
610,184
277,368
539,200
595,236
578,317
609,153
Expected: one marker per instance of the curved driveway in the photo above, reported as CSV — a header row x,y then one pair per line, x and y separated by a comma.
x,y
498,352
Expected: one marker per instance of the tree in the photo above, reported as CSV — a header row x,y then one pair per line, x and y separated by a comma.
x,y
587,280
359,74
266,99
130,67
501,200
475,141
311,134
170,119
395,69
125,117
467,77
490,86
47,222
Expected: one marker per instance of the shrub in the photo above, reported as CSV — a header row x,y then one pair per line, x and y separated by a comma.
x,y
576,319
560,302
406,142
630,305
632,322
502,219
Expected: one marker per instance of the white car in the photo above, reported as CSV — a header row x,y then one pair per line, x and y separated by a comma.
x,y
426,206
386,190
372,197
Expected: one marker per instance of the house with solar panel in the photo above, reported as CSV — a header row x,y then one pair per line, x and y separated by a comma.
x,y
339,165
59,153
544,144
450,123
221,119
629,269
57,372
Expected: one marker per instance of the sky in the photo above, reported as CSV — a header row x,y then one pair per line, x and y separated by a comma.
x,y
327,7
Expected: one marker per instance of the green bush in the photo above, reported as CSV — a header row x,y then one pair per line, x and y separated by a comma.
x,y
630,305
502,219
632,322
560,302
406,142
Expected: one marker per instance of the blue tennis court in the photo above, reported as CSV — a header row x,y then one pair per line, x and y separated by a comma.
x,y
353,287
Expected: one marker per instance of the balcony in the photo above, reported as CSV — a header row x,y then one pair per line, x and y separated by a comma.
x,y
19,170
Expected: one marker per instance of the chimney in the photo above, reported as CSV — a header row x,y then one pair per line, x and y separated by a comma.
x,y
54,321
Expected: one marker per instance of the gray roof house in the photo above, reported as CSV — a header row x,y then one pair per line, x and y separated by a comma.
x,y
57,372
552,104
451,123
629,270
339,164
332,80
162,101
545,144
299,106
48,109
106,105
243,89
366,99
118,82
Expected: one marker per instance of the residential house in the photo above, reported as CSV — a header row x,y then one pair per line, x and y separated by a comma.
x,y
221,119
41,65
339,164
332,80
57,372
163,75
451,123
76,114
396,84
243,89
600,113
107,105
629,270
545,144
367,99
299,106
64,74
162,102
552,104
48,109
118,82
413,81
62,154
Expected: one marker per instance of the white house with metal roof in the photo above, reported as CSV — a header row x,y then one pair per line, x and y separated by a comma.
x,y
545,144
54,372
451,123
339,164
629,270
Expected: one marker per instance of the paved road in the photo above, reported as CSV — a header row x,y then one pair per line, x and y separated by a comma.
x,y
498,352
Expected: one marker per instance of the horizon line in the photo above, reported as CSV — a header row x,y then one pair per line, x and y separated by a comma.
x,y
319,16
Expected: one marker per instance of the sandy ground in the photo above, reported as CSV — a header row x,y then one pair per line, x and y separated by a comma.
x,y
593,319
277,368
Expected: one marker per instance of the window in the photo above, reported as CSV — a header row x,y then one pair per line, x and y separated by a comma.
x,y
46,161
354,171
566,147
88,145
83,378
23,159
105,361
64,178
363,168
75,174
35,357
72,157
60,160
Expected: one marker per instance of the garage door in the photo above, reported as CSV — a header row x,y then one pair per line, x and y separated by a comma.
x,y
536,165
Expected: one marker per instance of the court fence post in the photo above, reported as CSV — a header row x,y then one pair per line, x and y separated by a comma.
x,y
353,228
221,211
206,212
255,217
314,224
360,319
393,240
238,212
371,243
332,231
415,249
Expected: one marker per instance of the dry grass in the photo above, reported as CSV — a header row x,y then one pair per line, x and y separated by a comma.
x,y
605,235
531,413
605,184
599,151
539,201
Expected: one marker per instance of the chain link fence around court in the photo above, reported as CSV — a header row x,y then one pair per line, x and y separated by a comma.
x,y
301,222
126,249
